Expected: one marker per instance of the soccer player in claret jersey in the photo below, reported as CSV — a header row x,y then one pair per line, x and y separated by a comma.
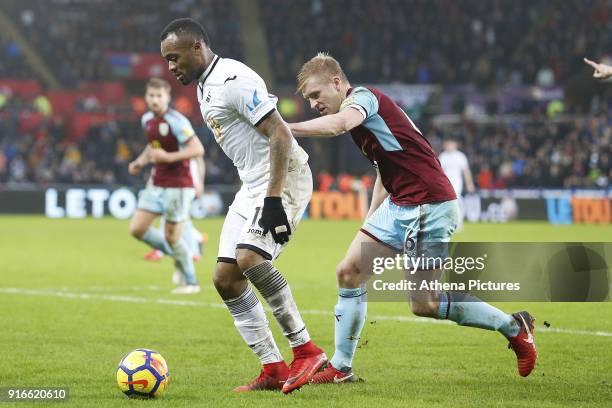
x,y
172,143
276,188
412,201
194,238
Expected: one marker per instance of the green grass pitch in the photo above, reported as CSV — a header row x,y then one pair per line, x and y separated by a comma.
x,y
75,296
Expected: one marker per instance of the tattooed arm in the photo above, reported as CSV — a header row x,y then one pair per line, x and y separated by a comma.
x,y
275,128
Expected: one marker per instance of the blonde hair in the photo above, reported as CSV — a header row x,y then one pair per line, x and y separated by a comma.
x,y
322,64
159,83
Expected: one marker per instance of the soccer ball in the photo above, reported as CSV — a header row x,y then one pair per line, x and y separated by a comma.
x,y
143,373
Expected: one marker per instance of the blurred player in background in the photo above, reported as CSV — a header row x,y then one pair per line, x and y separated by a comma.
x,y
276,188
457,169
194,238
413,204
172,143
602,71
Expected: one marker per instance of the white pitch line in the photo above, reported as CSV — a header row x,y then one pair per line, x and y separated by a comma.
x,y
148,288
194,303
114,298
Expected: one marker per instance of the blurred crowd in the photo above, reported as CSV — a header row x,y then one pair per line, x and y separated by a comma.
x,y
416,41
43,155
439,41
531,152
448,42
535,153
73,35
13,64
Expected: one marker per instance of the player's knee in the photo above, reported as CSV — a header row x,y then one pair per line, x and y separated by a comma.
x,y
222,280
424,308
228,281
171,239
347,274
247,259
172,234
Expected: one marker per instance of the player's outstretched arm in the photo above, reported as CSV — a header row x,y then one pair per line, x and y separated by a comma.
x,y
192,148
602,71
330,125
273,216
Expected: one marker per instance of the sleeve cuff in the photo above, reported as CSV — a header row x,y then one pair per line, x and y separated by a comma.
x,y
360,108
264,117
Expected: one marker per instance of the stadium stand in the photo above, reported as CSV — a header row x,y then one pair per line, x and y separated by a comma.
x,y
103,25
474,41
89,130
536,153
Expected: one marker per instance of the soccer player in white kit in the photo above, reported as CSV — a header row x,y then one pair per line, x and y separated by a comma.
x,y
276,188
456,167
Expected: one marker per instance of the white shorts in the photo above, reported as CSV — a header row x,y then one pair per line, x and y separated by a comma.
x,y
241,226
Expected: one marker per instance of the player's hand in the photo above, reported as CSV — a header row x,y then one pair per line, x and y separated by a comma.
x,y
199,189
602,71
134,168
274,219
159,156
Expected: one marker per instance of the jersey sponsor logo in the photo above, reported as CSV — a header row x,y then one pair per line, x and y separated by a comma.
x,y
230,78
208,96
164,129
215,126
256,101
255,231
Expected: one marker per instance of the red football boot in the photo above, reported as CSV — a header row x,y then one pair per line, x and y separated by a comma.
x,y
523,344
307,360
154,255
332,376
271,378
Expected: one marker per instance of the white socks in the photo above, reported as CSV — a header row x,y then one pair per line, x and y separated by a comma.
x,y
275,289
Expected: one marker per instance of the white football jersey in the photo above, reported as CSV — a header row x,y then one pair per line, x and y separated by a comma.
x,y
453,164
233,101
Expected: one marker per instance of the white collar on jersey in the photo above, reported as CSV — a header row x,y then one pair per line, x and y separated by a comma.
x,y
206,73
